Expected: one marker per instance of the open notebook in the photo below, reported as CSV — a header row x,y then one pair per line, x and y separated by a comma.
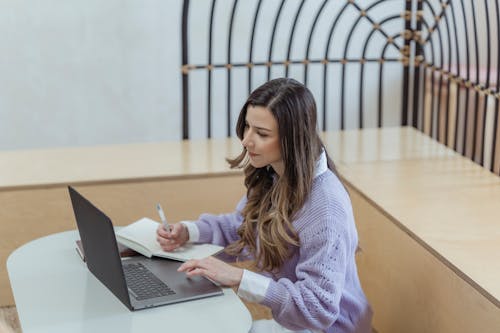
x,y
141,237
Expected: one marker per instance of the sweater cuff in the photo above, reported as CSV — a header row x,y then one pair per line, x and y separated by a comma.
x,y
253,286
276,296
193,231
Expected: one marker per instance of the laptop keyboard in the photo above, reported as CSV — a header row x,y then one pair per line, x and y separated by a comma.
x,y
143,284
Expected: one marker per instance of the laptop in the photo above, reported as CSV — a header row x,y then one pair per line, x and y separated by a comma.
x,y
138,282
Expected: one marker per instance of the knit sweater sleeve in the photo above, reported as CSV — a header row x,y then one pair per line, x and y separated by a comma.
x,y
313,300
220,229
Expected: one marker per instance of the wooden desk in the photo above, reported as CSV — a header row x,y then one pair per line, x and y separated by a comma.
x,y
429,227
186,177
55,292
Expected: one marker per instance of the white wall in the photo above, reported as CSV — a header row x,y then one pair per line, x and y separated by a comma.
x,y
103,72
88,72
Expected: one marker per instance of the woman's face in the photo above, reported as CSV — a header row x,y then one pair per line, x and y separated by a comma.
x,y
261,139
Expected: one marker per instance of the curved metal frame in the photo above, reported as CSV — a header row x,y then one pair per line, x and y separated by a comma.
x,y
473,139
424,61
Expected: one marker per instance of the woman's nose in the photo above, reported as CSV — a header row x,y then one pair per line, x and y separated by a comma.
x,y
246,142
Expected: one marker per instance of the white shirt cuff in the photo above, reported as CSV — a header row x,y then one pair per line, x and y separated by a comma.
x,y
253,286
193,231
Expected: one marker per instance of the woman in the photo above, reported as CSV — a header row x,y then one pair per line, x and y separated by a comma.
x,y
295,222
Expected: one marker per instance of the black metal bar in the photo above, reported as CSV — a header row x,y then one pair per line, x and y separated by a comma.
x,y
495,121
424,91
271,42
361,94
379,102
250,56
293,62
362,71
292,32
423,78
372,21
447,107
457,50
185,81
209,78
231,22
467,78
433,103
325,82
430,31
476,94
435,124
363,54
487,84
381,73
435,27
309,39
433,57
416,73
440,84
406,70
342,76
343,81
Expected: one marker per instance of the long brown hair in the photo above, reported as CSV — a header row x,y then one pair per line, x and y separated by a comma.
x,y
273,201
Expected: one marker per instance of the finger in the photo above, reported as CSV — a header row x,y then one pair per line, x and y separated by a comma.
x,y
167,244
176,229
173,232
196,272
165,240
205,273
163,246
162,232
168,235
162,241
159,230
188,265
170,248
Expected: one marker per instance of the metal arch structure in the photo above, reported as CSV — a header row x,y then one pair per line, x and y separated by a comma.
x,y
456,79
449,80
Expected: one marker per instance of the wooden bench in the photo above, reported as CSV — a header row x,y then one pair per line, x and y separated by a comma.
x,y
428,219
429,227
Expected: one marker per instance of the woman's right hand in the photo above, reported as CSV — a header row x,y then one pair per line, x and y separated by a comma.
x,y
171,240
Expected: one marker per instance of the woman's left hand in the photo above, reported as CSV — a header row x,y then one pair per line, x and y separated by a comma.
x,y
213,269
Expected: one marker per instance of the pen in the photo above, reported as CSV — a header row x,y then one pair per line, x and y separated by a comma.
x,y
163,218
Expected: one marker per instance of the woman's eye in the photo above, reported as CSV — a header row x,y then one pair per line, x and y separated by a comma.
x,y
262,135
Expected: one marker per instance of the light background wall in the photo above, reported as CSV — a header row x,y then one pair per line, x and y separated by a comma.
x,y
91,72
88,72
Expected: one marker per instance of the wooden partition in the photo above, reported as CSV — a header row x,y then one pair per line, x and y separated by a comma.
x,y
410,286
429,229
428,218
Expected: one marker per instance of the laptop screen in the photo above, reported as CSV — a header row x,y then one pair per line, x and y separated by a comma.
x,y
99,244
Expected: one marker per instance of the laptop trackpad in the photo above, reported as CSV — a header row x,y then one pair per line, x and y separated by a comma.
x,y
183,287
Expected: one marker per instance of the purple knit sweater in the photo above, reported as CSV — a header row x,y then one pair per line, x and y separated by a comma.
x,y
318,287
